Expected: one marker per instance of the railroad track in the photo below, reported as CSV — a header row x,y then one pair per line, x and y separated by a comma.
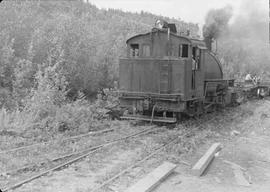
x,y
30,154
77,153
155,151
76,156
109,182
46,144
27,147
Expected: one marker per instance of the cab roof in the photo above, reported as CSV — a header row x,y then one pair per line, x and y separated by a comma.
x,y
195,42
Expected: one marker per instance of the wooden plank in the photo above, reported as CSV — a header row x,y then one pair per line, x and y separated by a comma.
x,y
152,179
163,146
238,174
204,161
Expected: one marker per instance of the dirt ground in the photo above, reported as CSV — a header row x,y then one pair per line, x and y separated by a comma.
x,y
243,164
93,170
246,145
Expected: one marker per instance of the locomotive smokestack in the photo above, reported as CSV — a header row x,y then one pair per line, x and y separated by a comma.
x,y
188,32
208,42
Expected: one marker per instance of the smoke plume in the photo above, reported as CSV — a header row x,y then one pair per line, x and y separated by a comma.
x,y
243,43
216,22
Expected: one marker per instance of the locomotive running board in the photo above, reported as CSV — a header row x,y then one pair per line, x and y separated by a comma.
x,y
147,118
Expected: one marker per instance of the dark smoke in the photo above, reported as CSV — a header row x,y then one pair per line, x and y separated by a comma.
x,y
216,22
243,44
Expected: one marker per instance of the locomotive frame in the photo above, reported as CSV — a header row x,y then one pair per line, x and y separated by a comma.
x,y
166,75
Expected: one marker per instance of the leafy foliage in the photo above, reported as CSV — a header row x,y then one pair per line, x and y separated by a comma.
x,y
52,52
91,39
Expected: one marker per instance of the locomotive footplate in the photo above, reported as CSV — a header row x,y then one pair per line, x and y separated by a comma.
x,y
148,118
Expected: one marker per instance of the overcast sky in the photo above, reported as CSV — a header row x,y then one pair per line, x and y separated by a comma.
x,y
187,10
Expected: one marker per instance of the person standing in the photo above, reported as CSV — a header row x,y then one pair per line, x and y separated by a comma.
x,y
248,78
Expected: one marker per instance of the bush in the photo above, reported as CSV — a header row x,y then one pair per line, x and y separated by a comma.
x,y
81,116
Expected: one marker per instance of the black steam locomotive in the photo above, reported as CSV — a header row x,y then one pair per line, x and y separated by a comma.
x,y
166,75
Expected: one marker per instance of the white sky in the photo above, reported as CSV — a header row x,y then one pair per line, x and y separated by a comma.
x,y
187,10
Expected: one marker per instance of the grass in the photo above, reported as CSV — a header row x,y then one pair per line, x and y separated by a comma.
x,y
109,161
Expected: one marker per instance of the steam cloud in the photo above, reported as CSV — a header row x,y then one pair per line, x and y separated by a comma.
x,y
216,22
243,43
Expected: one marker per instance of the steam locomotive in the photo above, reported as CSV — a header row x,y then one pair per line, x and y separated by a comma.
x,y
166,75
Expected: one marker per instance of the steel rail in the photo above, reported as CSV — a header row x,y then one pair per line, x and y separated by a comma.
x,y
47,142
157,150
160,148
54,159
92,150
89,151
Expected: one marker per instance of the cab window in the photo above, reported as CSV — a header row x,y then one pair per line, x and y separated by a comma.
x,y
183,50
134,50
146,50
